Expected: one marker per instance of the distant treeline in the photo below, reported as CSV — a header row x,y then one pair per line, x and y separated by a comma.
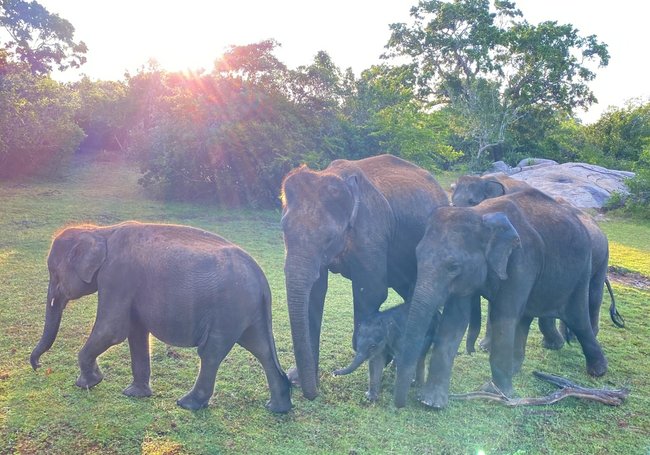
x,y
467,96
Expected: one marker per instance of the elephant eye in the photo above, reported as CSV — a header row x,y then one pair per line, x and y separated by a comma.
x,y
453,267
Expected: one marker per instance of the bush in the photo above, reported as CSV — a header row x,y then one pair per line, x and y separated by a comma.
x,y
639,201
38,134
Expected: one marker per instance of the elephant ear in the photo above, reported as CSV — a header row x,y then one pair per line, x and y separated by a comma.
x,y
87,256
352,183
503,238
494,188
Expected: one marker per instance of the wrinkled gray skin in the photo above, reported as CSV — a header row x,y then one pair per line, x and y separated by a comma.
x,y
528,255
472,190
362,219
185,286
379,340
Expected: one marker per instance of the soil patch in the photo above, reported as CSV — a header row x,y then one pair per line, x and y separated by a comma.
x,y
629,278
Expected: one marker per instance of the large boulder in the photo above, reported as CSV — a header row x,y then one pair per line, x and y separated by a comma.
x,y
584,185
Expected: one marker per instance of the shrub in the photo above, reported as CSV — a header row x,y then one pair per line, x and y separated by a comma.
x,y
38,134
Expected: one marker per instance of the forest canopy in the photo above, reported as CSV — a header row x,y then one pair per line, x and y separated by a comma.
x,y
476,83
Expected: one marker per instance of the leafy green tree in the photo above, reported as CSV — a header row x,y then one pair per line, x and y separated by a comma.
x,y
38,38
639,200
228,136
38,134
622,133
492,67
104,114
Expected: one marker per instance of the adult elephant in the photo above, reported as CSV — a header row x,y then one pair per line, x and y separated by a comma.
x,y
472,190
362,219
528,255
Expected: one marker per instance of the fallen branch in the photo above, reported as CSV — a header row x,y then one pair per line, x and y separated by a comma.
x,y
567,389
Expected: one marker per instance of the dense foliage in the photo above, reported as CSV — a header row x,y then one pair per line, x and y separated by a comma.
x,y
38,133
478,84
39,39
493,68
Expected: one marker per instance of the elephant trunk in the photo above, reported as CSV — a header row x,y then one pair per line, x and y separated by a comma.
x,y
299,284
359,358
421,312
53,312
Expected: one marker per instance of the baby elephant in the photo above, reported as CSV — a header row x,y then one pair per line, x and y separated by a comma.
x,y
185,286
379,341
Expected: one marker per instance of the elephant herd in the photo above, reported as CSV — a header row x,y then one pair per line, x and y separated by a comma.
x,y
380,222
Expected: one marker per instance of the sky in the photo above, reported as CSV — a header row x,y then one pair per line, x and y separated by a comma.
x,y
123,35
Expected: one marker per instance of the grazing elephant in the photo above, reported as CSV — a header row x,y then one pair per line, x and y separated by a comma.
x,y
185,286
528,255
472,190
362,219
379,339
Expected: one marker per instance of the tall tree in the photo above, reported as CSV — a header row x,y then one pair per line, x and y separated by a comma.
x,y
487,62
38,38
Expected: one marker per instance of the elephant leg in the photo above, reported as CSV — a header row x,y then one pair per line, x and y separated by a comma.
x,y
419,370
474,325
258,340
502,349
375,372
140,362
211,353
595,299
521,336
577,318
455,318
553,339
486,342
595,359
105,333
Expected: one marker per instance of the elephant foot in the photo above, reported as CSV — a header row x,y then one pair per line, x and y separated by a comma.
x,y
484,344
190,402
491,387
86,381
280,402
434,399
553,344
137,390
597,369
279,406
372,396
292,374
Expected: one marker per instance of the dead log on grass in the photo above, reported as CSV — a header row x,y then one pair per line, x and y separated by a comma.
x,y
567,389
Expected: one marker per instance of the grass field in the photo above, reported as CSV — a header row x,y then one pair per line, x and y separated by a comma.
x,y
43,411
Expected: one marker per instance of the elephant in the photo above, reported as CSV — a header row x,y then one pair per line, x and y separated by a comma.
x,y
528,255
185,286
472,190
362,219
379,340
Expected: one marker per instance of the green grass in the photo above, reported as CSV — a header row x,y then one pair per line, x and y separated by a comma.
x,y
43,412
629,243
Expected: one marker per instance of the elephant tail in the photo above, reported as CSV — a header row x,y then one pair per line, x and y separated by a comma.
x,y
267,303
617,319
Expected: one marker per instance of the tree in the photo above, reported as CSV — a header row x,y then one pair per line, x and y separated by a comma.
x,y
492,67
622,133
104,114
38,133
38,38
389,113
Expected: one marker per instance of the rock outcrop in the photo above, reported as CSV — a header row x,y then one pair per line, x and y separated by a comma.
x,y
584,185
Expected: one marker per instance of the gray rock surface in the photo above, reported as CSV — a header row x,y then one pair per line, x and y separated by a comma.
x,y
584,185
